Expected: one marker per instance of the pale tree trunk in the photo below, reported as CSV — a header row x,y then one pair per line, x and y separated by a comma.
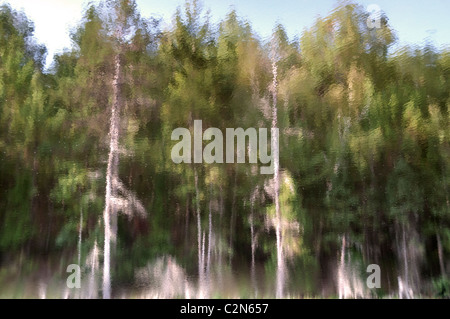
x,y
210,236
203,255
441,256
79,243
232,219
253,246
411,256
79,236
203,287
92,261
343,287
220,257
405,260
199,234
276,178
111,176
186,227
404,282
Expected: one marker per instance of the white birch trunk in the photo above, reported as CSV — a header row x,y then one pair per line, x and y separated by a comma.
x,y
111,177
208,263
342,282
79,243
276,165
220,257
199,235
253,246
232,220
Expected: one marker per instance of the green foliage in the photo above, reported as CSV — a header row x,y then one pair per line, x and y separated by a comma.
x,y
364,138
442,287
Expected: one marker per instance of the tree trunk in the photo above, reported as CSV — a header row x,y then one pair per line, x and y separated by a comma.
x,y
208,263
186,227
276,178
405,259
79,236
79,243
341,271
441,256
199,233
253,246
220,257
111,177
233,218
93,264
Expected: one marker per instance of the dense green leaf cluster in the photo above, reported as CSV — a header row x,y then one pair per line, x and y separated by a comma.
x,y
364,140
